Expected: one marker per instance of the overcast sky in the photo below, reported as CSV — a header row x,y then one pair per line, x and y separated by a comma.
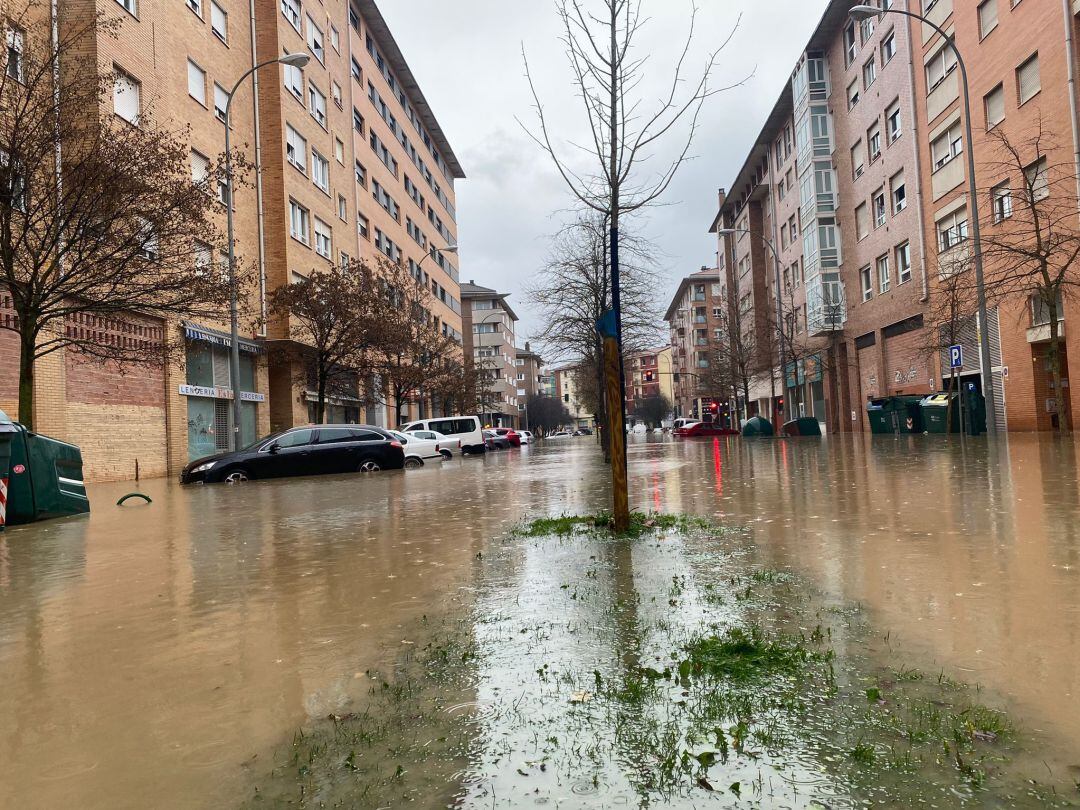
x,y
467,56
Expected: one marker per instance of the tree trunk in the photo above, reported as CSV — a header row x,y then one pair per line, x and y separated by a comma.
x,y
26,376
1054,356
834,390
320,403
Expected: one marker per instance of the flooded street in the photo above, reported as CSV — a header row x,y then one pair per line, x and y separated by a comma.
x,y
171,650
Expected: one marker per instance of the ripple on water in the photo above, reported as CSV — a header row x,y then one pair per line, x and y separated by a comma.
x,y
588,787
67,769
475,709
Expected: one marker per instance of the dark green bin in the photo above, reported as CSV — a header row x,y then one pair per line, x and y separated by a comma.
x,y
899,414
45,477
757,426
880,414
936,409
803,426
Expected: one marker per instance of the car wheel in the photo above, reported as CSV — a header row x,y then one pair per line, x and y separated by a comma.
x,y
446,454
237,476
412,463
371,465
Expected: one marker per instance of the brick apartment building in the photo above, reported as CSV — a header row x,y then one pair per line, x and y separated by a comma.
x,y
648,374
490,349
352,163
695,321
858,180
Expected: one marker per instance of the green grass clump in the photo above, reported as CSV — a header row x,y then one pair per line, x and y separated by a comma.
x,y
641,523
743,655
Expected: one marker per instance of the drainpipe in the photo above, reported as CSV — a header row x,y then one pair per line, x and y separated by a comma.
x,y
1070,56
258,177
925,297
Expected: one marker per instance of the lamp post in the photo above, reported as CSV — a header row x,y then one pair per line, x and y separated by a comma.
x,y
864,12
779,304
292,60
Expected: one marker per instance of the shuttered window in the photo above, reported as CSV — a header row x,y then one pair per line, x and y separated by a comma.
x,y
994,102
988,17
1027,78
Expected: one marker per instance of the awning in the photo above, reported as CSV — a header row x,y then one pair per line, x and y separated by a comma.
x,y
193,331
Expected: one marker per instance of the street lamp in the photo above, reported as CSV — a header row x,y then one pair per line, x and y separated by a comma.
x,y
864,12
779,305
292,60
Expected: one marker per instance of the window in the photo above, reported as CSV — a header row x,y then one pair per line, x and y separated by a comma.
x,y
873,142
315,40
361,174
884,277
988,17
867,282
126,92
317,104
299,222
196,6
357,121
294,80
856,161
320,171
148,241
862,222
879,207
850,47
888,48
853,94
893,128
952,229
941,64
128,6
1038,186
15,192
994,105
221,101
291,10
196,82
898,192
335,39
200,168
356,72
1027,79
335,93
947,146
202,257
781,189
296,438
362,225
15,54
866,29
796,274
296,148
322,238
342,208
339,151
903,263
219,22
1001,200
869,73
783,236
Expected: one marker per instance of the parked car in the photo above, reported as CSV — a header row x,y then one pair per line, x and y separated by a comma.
x,y
526,436
466,428
583,432
512,435
560,434
704,429
496,442
417,450
448,445
311,450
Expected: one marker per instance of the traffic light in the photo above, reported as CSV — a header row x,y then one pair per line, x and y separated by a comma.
x,y
780,405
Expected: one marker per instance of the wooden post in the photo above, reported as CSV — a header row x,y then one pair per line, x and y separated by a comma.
x,y
616,424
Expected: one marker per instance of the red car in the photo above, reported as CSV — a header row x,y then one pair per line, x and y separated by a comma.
x,y
693,429
511,435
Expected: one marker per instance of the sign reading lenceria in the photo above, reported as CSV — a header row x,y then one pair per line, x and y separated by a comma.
x,y
211,392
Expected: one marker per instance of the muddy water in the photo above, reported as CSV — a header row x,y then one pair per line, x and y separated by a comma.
x,y
168,650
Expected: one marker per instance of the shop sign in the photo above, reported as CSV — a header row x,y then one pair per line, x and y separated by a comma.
x,y
251,396
212,392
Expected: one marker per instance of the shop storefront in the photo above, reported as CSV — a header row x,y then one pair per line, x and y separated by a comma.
x,y
209,391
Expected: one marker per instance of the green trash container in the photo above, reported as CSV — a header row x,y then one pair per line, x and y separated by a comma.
x,y
935,409
803,426
45,478
908,411
757,426
8,430
882,416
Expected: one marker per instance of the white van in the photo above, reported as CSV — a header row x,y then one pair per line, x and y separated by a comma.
x,y
465,428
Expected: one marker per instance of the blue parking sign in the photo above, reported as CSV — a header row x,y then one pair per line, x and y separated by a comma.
x,y
956,356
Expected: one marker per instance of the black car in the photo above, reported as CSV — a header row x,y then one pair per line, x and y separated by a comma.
x,y
493,441
311,450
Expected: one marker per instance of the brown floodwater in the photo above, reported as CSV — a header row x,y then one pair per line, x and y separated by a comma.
x,y
158,655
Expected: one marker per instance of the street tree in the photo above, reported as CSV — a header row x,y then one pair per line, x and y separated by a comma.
x,y
335,322
1031,245
624,134
101,224
653,409
409,356
547,413
950,313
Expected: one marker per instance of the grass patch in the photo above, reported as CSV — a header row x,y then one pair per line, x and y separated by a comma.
x,y
641,524
743,655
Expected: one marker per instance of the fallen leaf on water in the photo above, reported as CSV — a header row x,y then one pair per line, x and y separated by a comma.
x,y
703,782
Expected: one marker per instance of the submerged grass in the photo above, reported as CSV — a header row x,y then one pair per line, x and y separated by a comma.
x,y
641,523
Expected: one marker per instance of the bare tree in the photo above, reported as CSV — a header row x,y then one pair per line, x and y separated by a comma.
x,y
607,74
101,226
1032,243
335,321
410,354
653,409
